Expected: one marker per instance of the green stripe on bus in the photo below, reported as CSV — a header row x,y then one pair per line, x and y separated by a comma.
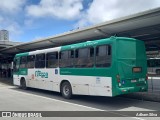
x,y
22,54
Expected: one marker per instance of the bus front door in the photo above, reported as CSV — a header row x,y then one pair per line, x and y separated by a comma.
x,y
16,71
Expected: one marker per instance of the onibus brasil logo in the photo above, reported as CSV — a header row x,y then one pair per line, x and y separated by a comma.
x,y
41,74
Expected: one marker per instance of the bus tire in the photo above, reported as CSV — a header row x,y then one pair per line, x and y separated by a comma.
x,y
66,90
23,84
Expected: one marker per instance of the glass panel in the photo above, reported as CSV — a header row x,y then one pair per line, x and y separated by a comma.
x,y
31,61
103,56
66,59
23,62
52,60
84,57
40,61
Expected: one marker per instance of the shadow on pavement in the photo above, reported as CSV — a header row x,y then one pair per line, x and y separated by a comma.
x,y
7,81
103,103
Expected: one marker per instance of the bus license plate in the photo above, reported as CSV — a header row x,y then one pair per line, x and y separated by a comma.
x,y
133,81
137,69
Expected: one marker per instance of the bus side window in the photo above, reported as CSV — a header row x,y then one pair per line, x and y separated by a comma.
x,y
52,60
103,56
84,57
23,62
40,61
30,61
66,59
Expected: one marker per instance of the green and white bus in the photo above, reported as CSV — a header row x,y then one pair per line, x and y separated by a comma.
x,y
105,67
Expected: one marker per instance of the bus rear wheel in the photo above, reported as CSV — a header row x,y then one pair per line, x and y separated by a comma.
x,y
66,90
23,84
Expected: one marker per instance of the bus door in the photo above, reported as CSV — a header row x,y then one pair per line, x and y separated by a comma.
x,y
16,70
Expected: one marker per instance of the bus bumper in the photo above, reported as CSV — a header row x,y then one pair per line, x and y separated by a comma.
x,y
128,90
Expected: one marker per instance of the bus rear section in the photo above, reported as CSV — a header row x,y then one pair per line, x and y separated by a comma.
x,y
131,66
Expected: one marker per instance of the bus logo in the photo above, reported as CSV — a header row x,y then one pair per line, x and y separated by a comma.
x,y
41,74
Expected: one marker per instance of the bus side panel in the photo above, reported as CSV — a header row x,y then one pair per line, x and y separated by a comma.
x,y
90,85
47,79
98,81
22,73
16,80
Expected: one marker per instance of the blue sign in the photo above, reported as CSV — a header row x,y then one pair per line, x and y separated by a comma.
x,y
123,81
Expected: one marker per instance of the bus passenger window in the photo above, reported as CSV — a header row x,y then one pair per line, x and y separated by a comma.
x,y
52,60
30,61
40,61
103,56
66,59
84,57
23,62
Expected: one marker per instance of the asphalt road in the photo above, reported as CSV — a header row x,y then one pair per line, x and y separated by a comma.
x,y
15,99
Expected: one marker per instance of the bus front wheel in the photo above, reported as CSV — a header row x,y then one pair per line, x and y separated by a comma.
x,y
23,84
66,90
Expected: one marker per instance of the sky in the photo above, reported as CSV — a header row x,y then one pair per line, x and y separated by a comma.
x,y
29,20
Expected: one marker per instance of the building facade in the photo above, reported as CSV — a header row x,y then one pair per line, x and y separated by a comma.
x,y
4,35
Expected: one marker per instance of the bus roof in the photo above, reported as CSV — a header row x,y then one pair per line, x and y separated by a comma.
x,y
80,45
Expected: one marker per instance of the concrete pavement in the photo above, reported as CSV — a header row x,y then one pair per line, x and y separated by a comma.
x,y
15,99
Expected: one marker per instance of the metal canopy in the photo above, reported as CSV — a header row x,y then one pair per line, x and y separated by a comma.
x,y
143,26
